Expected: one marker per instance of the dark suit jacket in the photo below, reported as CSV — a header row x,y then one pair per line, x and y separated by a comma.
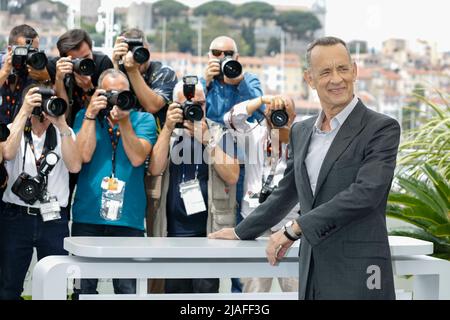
x,y
344,222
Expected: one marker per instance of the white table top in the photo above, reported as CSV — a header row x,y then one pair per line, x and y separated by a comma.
x,y
127,247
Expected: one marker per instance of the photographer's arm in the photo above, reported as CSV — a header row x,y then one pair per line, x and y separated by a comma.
x,y
137,149
160,153
227,167
86,137
12,144
69,150
151,101
6,67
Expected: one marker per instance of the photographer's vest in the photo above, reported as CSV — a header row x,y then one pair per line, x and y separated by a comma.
x,y
221,196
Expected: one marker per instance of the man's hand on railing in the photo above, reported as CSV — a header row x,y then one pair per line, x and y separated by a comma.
x,y
225,233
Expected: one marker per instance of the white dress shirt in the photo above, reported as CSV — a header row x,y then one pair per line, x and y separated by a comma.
x,y
321,142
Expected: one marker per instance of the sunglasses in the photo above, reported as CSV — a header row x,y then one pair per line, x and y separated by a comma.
x,y
217,52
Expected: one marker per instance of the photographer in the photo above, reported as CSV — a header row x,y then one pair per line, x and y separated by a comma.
x,y
198,166
71,84
23,43
226,85
151,81
114,140
39,152
264,165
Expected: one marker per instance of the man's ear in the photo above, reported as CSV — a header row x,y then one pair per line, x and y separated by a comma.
x,y
308,79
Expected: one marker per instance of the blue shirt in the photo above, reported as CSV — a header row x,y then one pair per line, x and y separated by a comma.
x,y
87,203
179,223
221,97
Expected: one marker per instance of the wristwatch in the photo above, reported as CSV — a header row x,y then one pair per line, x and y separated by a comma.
x,y
289,231
68,133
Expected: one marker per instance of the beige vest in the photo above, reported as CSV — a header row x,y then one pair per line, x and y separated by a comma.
x,y
221,198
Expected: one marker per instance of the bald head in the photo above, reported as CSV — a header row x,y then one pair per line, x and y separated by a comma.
x,y
223,43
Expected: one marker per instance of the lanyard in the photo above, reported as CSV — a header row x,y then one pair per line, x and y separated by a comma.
x,y
184,173
114,135
12,97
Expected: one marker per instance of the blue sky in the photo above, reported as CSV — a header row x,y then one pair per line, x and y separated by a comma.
x,y
372,20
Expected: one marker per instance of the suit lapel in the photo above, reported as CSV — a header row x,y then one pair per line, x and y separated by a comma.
x,y
349,129
305,138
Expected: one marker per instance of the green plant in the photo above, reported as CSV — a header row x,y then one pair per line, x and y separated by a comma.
x,y
429,143
421,192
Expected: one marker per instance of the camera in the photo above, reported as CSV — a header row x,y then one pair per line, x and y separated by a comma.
x,y
279,118
84,66
265,193
31,189
27,55
51,105
230,68
192,111
4,132
140,53
125,100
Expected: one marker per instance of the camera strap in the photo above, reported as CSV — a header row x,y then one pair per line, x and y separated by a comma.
x,y
114,135
49,143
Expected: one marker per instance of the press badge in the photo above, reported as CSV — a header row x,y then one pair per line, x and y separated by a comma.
x,y
191,194
50,209
113,191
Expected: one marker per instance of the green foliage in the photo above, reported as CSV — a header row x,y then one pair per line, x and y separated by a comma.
x,y
255,10
301,24
274,46
248,35
421,193
216,8
169,8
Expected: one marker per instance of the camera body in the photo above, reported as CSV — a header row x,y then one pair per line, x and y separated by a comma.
x,y
229,68
84,66
192,110
125,100
140,53
31,189
4,132
27,55
51,105
279,118
265,193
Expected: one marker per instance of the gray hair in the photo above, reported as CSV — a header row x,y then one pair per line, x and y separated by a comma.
x,y
113,73
325,42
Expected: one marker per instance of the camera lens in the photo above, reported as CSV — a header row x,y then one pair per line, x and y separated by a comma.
x,y
141,55
193,112
54,106
37,60
124,100
279,118
231,68
85,67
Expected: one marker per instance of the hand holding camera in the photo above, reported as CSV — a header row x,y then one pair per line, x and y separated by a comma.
x,y
118,103
33,99
7,62
192,110
24,56
174,116
81,66
98,102
131,51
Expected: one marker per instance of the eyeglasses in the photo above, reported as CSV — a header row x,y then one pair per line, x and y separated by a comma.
x,y
217,52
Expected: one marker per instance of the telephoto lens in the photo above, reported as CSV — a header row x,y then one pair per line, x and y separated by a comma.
x,y
51,105
125,100
85,67
140,53
279,118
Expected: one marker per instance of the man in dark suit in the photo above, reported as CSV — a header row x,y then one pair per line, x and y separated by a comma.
x,y
341,164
